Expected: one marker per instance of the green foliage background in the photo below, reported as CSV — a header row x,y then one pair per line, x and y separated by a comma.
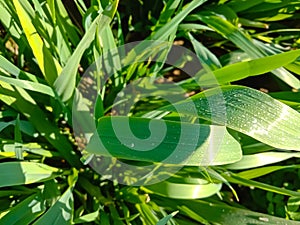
x,y
249,45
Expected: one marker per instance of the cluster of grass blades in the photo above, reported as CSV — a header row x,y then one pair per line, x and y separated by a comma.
x,y
248,47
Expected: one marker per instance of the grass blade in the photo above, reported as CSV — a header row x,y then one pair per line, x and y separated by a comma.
x,y
192,144
229,31
65,84
248,111
241,70
191,189
17,173
25,212
61,213
262,159
48,64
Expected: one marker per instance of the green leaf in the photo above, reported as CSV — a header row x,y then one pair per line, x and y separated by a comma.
x,y
21,101
24,126
185,188
18,173
18,139
293,208
206,57
25,212
169,142
29,85
166,14
219,213
248,111
87,218
168,28
164,220
244,42
15,71
241,70
65,83
61,213
34,148
235,178
262,159
258,172
47,63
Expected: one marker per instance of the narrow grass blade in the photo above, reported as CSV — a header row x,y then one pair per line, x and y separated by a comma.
x,y
258,172
165,220
168,28
18,139
206,57
244,42
241,70
21,101
65,84
47,63
234,178
15,71
262,159
29,85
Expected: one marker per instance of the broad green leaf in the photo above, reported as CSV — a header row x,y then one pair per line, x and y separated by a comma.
x,y
61,213
25,212
262,159
219,213
248,111
164,220
65,83
189,188
47,63
169,142
17,173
